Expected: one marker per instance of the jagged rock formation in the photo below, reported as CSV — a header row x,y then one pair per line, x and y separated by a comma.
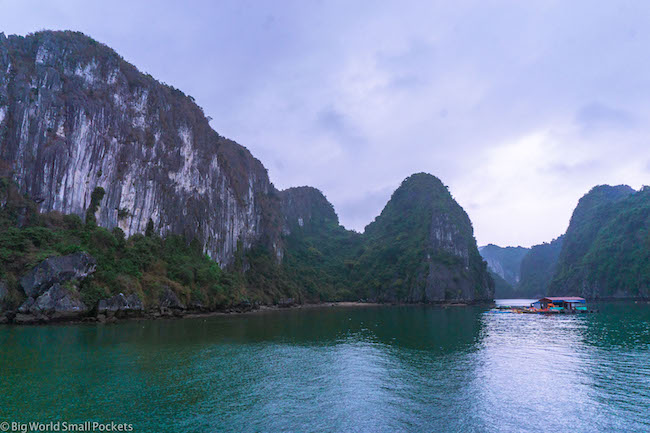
x,y
57,270
521,272
56,303
582,230
74,115
51,289
320,253
604,253
422,248
120,303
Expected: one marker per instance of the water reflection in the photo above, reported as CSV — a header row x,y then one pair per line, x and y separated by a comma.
x,y
365,369
531,370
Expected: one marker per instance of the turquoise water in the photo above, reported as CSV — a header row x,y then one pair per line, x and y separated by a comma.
x,y
367,369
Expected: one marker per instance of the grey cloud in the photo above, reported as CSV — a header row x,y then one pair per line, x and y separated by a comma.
x,y
577,169
352,97
331,120
365,208
595,115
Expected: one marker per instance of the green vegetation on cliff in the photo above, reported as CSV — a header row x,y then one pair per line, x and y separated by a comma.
x,y
144,265
505,264
320,253
502,288
593,210
421,248
606,251
537,269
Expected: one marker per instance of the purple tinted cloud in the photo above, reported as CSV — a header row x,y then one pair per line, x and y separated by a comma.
x,y
520,107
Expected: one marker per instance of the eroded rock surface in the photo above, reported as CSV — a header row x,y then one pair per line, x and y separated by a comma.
x,y
75,116
52,289
121,303
54,270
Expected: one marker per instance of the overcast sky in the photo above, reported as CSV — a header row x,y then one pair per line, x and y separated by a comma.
x,y
520,107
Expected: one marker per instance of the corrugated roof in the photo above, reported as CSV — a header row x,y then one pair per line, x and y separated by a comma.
x,y
563,298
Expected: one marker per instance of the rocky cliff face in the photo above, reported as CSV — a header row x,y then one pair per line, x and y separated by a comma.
x,y
52,289
420,249
320,253
74,116
604,253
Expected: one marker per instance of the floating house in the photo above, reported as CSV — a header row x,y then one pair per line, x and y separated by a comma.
x,y
561,304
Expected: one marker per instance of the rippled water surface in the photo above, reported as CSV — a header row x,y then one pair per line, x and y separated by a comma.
x,y
367,369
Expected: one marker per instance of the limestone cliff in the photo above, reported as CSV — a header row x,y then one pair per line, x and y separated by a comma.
x,y
74,116
420,249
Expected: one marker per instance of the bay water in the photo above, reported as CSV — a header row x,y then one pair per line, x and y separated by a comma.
x,y
357,369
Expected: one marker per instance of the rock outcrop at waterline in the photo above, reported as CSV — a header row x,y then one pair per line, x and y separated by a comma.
x,y
52,289
74,116
56,270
